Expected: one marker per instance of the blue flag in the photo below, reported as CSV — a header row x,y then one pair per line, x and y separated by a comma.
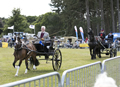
x,y
76,31
40,42
82,34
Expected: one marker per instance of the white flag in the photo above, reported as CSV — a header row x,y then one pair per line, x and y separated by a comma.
x,y
12,27
82,33
76,31
32,26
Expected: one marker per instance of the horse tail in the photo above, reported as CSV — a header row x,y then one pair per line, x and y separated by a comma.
x,y
36,61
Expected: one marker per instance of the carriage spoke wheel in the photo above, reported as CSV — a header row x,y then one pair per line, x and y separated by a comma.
x,y
57,60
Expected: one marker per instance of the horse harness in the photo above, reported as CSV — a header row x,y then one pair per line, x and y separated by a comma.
x,y
23,46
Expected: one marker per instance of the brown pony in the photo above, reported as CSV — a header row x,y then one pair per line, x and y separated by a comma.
x,y
23,52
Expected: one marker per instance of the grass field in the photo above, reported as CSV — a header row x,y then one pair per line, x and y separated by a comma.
x,y
71,58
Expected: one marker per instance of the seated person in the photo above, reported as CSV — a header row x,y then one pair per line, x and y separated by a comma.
x,y
110,37
44,37
102,34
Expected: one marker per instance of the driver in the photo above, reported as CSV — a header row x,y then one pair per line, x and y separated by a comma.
x,y
102,34
43,35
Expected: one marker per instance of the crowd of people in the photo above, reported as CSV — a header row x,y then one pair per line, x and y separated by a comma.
x,y
102,80
43,35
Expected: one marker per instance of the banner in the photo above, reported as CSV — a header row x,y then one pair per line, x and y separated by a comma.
x,y
76,31
32,26
82,33
12,27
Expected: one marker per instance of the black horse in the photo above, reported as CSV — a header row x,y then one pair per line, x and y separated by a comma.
x,y
23,52
94,45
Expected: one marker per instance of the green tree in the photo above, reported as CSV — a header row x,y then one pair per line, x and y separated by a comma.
x,y
31,19
53,23
19,22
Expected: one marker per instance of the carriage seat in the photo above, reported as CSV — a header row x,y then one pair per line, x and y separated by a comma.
x,y
109,40
43,46
107,43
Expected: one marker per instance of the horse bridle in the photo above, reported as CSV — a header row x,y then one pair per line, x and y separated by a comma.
x,y
17,43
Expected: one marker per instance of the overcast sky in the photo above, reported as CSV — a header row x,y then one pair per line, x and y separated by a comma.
x,y
28,7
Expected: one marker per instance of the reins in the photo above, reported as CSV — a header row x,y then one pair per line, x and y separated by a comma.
x,y
17,49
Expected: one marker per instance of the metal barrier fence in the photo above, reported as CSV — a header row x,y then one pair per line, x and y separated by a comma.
x,y
112,67
47,80
83,76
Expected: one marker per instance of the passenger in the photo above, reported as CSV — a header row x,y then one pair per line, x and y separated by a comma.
x,y
110,37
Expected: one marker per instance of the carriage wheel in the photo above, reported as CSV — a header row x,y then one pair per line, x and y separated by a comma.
x,y
57,60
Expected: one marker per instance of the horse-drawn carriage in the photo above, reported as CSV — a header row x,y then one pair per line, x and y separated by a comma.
x,y
98,47
49,50
28,52
108,47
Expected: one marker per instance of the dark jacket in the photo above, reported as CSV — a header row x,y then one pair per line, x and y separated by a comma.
x,y
102,35
110,37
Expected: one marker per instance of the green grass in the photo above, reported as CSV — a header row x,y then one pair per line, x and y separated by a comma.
x,y
71,58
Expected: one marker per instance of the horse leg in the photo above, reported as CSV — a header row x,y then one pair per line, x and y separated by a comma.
x,y
26,63
18,67
15,60
99,54
91,53
94,53
35,61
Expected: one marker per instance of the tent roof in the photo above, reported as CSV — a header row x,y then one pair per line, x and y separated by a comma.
x,y
116,35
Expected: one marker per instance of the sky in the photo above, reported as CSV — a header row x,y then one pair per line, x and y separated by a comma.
x,y
27,7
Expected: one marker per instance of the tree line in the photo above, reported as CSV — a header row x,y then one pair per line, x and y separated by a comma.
x,y
94,14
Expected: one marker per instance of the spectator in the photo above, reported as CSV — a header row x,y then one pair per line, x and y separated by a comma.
x,y
86,40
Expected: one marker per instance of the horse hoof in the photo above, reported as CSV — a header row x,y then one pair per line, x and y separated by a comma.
x,y
34,68
16,67
16,75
